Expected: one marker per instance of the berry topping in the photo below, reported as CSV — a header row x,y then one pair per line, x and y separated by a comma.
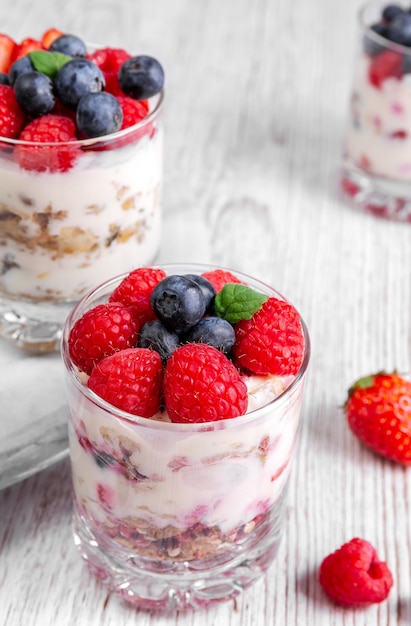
x,y
156,336
178,302
202,385
11,117
141,77
272,341
109,60
218,278
7,52
49,36
130,380
76,79
378,411
20,66
385,65
53,129
4,79
399,29
206,287
133,110
135,289
34,93
71,45
98,114
391,11
213,331
100,332
354,576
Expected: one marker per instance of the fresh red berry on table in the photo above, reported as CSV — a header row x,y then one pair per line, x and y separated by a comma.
x,y
100,332
385,65
7,52
202,385
12,118
53,129
135,289
272,341
218,278
130,380
378,410
353,575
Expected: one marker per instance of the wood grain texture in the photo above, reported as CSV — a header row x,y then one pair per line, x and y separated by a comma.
x,y
257,94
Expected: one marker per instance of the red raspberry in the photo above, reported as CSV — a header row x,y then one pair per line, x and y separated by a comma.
x,y
134,291
131,380
272,341
219,278
202,385
133,110
109,60
25,47
353,575
101,331
11,116
385,65
48,129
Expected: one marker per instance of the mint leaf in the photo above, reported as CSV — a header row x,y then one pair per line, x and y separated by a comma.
x,y
47,62
237,302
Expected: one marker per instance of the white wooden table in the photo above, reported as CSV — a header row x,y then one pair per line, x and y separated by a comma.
x,y
257,92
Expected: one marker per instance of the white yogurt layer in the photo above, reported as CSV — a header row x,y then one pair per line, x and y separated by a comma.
x,y
63,232
379,130
223,477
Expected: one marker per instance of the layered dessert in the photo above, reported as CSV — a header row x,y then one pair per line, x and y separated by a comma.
x,y
378,138
183,424
80,165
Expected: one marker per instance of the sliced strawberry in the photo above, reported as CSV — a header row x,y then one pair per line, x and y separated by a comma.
x,y
388,64
49,36
7,49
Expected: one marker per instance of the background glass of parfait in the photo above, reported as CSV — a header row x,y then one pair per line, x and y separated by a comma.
x,y
63,231
177,516
376,172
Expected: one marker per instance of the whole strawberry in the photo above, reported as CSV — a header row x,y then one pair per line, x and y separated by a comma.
x,y
131,380
202,385
354,576
378,410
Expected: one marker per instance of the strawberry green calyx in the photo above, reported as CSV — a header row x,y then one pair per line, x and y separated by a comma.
x,y
236,302
365,382
48,63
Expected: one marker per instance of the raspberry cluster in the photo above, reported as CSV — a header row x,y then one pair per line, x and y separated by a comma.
x,y
185,343
53,90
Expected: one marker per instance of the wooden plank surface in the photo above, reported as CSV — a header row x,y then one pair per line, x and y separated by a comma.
x,y
257,94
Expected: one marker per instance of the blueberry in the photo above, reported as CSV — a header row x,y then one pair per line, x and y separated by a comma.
x,y
20,66
34,93
141,77
178,302
98,114
76,79
371,44
206,287
70,45
213,331
155,335
391,11
399,29
4,79
103,459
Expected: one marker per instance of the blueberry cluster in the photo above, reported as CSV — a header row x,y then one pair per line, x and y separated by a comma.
x,y
395,26
184,306
64,74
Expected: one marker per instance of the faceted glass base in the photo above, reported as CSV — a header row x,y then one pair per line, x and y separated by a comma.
x,y
381,197
172,585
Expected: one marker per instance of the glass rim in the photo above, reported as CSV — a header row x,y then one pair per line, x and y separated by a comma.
x,y
375,37
91,142
194,427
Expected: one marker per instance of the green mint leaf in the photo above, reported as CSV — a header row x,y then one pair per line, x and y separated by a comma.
x,y
237,302
48,62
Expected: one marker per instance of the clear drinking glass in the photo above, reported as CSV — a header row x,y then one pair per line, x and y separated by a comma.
x,y
376,173
178,515
62,232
